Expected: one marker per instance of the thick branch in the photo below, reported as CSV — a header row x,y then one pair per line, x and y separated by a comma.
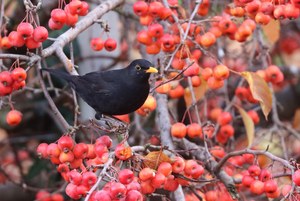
x,y
164,123
82,25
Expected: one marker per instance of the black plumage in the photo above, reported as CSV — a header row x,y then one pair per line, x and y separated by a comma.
x,y
113,92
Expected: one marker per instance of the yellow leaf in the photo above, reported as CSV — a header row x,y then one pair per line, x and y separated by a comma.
x,y
249,125
198,91
272,31
260,91
154,158
296,119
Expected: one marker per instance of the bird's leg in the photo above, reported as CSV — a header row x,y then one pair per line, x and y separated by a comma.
x,y
98,116
116,124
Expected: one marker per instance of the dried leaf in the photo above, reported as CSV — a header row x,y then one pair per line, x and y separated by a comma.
x,y
260,91
154,158
272,31
198,91
249,125
296,119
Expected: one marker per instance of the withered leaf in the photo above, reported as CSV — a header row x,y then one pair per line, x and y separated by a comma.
x,y
249,125
260,91
154,158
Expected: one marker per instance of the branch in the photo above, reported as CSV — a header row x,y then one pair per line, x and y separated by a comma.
x,y
14,56
102,173
164,123
82,25
62,120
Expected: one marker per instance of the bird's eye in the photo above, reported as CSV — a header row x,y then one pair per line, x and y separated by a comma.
x,y
137,67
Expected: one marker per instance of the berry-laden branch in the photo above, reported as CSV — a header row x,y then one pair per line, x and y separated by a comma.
x,y
164,124
285,163
100,177
82,25
200,153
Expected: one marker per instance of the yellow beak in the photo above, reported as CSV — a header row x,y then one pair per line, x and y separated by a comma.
x,y
152,70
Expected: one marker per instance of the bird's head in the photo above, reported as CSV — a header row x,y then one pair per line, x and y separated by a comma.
x,y
142,68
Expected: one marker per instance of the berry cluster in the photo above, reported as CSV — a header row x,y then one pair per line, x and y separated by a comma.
x,y
43,195
68,155
75,160
109,44
12,80
26,35
68,15
260,181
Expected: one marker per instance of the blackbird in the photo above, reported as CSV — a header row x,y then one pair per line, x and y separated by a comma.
x,y
114,92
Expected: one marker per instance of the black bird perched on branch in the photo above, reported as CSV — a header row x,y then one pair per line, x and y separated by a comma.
x,y
114,92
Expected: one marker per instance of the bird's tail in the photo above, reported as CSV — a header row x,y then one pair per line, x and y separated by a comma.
x,y
59,73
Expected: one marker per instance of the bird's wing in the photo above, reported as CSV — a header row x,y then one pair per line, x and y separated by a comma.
x,y
98,82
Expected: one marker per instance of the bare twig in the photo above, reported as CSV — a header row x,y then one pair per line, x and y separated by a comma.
x,y
100,177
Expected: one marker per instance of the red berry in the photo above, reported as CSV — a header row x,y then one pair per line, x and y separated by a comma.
x,y
134,195
75,7
80,150
247,181
156,30
104,139
254,170
221,72
84,8
224,118
171,184
65,143
71,191
155,9
102,195
126,176
165,168
194,130
32,44
59,16
66,157
75,177
53,151
270,186
117,191
13,117
100,149
40,34
296,177
42,150
257,187
89,178
16,39
227,130
54,25
5,43
178,165
110,44
25,29
5,78
18,85
140,8
178,130
97,44
158,180
146,174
